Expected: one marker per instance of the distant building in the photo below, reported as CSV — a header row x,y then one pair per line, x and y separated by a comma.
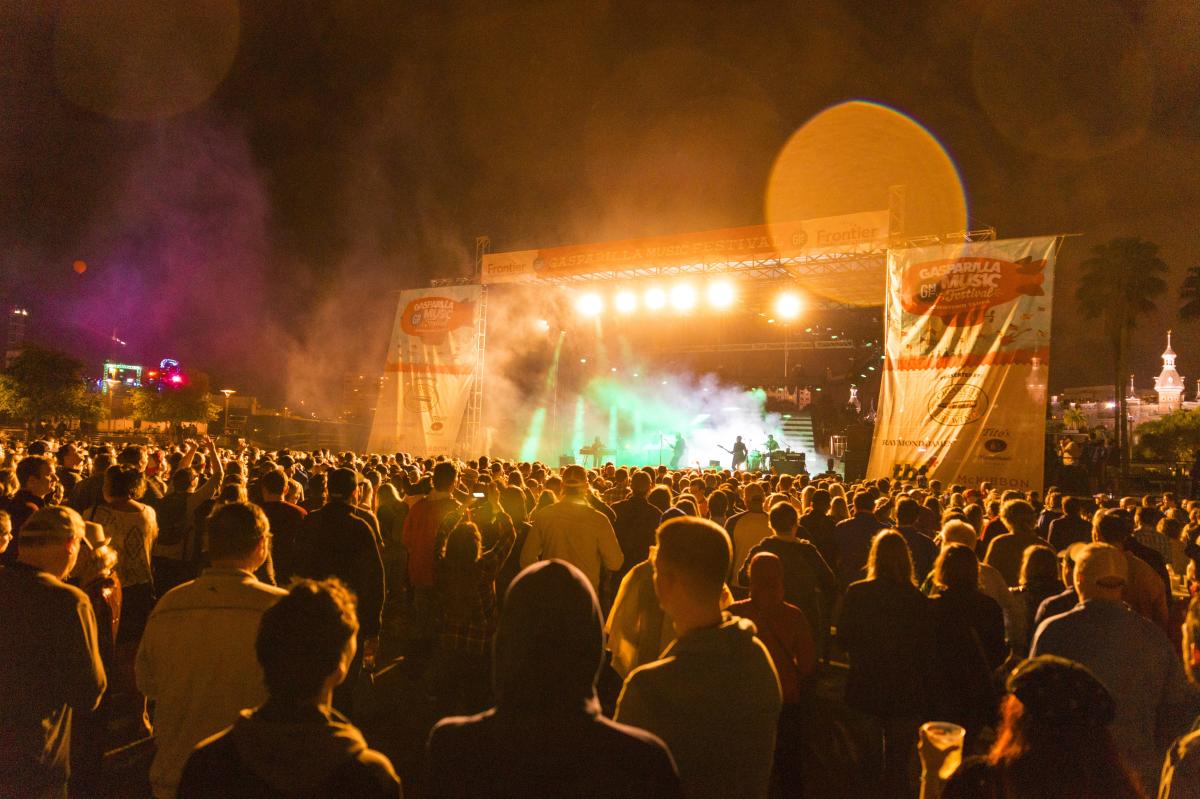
x,y
1098,403
359,395
14,334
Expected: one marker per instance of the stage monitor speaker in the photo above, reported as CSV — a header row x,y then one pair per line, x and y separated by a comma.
x,y
714,465
566,460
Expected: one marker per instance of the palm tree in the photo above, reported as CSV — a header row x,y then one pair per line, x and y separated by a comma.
x,y
1121,281
1189,294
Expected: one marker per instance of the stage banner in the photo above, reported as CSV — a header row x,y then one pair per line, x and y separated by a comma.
x,y
967,345
427,377
848,233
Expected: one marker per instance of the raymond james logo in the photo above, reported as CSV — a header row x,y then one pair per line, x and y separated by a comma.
x,y
957,404
995,445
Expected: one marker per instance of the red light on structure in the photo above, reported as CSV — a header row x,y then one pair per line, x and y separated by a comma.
x,y
176,379
152,373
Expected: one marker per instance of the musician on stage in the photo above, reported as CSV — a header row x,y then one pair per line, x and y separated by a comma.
x,y
677,451
739,452
597,451
772,445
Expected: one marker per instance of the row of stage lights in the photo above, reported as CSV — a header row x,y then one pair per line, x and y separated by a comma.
x,y
683,298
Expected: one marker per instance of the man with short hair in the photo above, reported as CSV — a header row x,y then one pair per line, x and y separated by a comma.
x,y
422,534
50,664
68,467
809,584
196,657
747,528
136,456
295,744
923,550
636,522
854,537
573,531
336,542
1127,653
819,527
715,682
1070,528
285,520
1006,551
37,478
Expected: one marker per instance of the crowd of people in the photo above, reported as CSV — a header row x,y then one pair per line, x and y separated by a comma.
x,y
605,632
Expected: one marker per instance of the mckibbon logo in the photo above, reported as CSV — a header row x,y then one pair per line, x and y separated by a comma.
x,y
431,318
961,290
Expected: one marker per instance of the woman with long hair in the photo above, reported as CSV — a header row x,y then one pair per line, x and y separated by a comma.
x,y
1054,742
838,510
1039,580
968,643
886,629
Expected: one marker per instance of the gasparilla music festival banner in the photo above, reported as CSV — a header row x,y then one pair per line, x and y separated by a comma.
x,y
966,361
427,377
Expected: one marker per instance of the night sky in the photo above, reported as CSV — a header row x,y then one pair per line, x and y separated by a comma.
x,y
249,183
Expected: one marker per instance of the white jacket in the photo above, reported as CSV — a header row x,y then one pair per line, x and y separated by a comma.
x,y
197,661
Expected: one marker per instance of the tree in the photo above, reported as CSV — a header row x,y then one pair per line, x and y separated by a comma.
x,y
1121,281
1174,437
46,384
190,402
1189,294
1075,419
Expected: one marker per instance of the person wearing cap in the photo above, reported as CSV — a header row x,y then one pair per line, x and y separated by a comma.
x,y
572,530
51,664
546,736
1054,741
196,658
1144,591
336,542
713,696
1127,653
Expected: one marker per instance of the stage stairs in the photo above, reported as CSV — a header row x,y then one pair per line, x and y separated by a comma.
x,y
797,429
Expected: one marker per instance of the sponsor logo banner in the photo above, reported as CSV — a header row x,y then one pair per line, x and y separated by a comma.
x,y
966,360
849,233
428,373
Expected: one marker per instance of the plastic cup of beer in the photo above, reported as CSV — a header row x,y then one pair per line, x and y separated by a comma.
x,y
946,737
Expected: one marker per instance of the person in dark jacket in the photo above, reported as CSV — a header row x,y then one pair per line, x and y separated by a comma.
x,y
886,628
296,744
285,520
37,478
336,542
1070,528
968,643
636,522
817,526
545,736
854,537
808,582
923,550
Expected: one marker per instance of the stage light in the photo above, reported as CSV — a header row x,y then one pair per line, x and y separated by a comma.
x,y
721,294
655,299
590,304
542,325
683,297
625,302
788,306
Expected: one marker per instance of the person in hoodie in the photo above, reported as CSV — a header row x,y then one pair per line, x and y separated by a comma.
x,y
787,634
545,736
296,746
713,696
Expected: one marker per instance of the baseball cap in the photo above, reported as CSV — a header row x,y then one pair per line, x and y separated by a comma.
x,y
574,475
1061,692
52,521
1100,564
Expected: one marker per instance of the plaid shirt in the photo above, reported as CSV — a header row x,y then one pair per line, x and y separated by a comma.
x,y
469,601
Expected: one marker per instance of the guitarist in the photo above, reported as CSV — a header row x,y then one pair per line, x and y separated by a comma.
x,y
739,452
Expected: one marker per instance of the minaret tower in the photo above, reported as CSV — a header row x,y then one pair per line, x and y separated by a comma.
x,y
1169,383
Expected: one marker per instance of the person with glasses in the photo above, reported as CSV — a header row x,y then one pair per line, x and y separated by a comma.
x,y
196,658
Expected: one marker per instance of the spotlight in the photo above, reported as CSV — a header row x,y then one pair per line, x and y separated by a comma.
x,y
721,294
625,302
542,325
788,306
590,304
683,297
655,299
